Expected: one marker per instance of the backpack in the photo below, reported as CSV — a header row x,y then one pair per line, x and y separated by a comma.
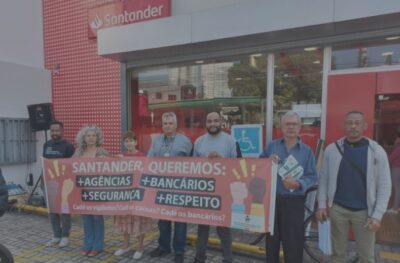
x,y
3,195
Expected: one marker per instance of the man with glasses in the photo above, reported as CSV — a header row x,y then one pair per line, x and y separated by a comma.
x,y
296,173
170,144
354,187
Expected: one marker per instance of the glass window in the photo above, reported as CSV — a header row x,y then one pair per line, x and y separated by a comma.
x,y
236,89
382,52
17,141
298,87
387,120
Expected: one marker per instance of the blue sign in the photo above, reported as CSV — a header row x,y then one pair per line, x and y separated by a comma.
x,y
249,137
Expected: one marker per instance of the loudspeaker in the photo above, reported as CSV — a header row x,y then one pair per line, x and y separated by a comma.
x,y
40,116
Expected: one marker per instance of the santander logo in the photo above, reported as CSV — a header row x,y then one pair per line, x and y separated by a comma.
x,y
126,12
96,23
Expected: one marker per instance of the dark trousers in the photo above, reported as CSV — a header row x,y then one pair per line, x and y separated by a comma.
x,y
179,241
225,236
288,229
61,224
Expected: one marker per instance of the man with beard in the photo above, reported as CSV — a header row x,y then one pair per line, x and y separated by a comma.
x,y
215,143
170,144
58,147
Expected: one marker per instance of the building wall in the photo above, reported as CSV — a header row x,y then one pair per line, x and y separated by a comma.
x,y
86,87
232,19
21,86
23,79
179,7
342,9
21,32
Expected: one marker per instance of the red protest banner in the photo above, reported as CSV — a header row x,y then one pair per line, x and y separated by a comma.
x,y
238,193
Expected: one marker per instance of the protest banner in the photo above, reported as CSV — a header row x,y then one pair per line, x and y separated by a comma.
x,y
231,192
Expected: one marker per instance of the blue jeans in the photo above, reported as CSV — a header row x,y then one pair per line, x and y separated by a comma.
x,y
93,230
164,240
61,224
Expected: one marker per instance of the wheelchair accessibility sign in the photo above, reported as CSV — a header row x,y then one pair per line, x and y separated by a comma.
x,y
249,137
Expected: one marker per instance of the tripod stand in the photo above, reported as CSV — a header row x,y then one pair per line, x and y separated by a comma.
x,y
31,199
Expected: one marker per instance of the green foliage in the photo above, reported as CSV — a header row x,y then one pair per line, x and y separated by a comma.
x,y
248,80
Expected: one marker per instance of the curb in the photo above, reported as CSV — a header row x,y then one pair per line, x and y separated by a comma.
x,y
32,209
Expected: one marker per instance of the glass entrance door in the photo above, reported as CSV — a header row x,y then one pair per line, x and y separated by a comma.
x,y
387,120
387,133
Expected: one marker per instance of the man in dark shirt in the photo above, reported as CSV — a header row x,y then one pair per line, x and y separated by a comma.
x,y
58,147
354,188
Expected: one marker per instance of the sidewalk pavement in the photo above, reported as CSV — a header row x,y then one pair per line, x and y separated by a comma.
x,y
26,233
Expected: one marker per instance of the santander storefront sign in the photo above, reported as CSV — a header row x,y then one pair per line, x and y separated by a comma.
x,y
126,12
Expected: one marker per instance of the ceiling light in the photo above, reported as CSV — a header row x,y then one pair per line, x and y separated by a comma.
x,y
317,62
392,38
390,53
238,78
310,49
383,97
199,61
257,55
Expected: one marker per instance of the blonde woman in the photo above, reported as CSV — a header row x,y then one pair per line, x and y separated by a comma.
x,y
89,141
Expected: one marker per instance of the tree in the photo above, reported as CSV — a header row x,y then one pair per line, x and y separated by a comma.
x,y
248,79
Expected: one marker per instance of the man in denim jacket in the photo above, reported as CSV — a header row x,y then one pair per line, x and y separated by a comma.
x,y
296,174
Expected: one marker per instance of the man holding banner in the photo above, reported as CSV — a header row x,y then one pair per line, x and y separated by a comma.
x,y
170,144
225,192
215,143
296,173
58,147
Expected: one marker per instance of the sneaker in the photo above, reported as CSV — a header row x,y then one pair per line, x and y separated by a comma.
x,y
178,258
158,252
199,259
64,242
121,251
93,253
84,252
52,242
138,254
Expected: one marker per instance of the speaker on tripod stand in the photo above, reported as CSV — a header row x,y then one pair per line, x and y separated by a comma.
x,y
40,117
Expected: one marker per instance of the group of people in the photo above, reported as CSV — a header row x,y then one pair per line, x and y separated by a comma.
x,y
354,187
89,141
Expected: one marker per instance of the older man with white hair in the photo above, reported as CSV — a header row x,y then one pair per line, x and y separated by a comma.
x,y
296,174
170,144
